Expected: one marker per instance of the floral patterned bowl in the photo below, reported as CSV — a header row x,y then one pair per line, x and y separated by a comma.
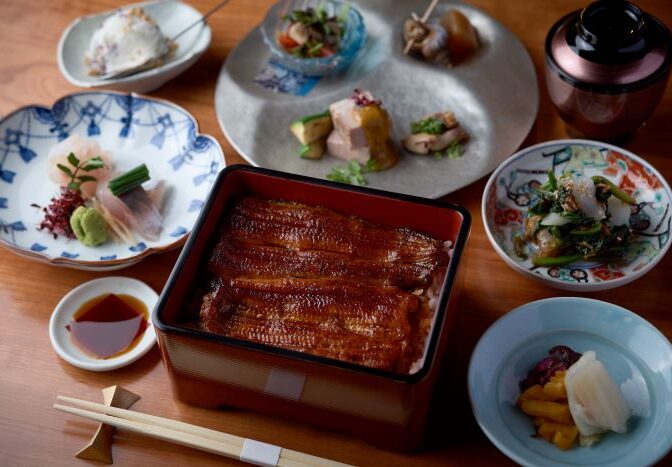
x,y
511,191
135,129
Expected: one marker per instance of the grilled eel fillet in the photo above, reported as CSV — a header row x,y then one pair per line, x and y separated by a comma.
x,y
233,258
312,280
335,318
276,238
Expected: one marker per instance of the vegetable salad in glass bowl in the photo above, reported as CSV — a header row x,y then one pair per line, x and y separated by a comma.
x,y
314,37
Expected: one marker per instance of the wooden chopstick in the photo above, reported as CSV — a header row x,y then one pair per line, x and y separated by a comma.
x,y
165,434
182,433
156,421
423,20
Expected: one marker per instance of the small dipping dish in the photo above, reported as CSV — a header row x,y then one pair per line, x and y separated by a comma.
x,y
61,322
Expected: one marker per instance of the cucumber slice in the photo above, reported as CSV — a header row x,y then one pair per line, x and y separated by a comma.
x,y
312,127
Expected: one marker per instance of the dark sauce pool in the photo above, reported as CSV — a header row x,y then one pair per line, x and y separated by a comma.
x,y
108,325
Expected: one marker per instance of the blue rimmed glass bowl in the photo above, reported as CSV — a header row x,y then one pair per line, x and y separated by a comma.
x,y
352,43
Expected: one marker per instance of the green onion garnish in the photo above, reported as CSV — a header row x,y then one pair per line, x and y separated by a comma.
x,y
129,180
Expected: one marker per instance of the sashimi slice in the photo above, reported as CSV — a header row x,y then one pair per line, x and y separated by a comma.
x,y
134,210
595,401
83,149
146,218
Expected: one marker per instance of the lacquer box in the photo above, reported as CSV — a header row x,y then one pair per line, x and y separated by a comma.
x,y
208,370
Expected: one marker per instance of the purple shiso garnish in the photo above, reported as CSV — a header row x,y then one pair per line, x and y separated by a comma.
x,y
561,358
362,98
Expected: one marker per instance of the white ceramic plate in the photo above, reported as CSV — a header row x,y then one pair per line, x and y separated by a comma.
x,y
62,316
135,129
494,95
171,16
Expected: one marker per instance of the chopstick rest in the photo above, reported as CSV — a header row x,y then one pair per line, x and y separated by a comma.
x,y
100,447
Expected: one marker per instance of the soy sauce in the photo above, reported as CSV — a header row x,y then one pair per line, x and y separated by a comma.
x,y
108,325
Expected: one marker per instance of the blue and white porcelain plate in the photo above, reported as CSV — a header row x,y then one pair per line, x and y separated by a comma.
x,y
636,355
134,129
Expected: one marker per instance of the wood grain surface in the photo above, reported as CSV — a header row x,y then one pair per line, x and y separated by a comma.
x,y
31,375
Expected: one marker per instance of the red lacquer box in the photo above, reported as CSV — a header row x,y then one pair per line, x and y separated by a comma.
x,y
207,370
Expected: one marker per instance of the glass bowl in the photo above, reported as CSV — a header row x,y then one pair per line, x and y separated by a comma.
x,y
352,43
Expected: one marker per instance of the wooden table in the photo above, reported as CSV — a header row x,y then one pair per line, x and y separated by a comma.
x,y
31,375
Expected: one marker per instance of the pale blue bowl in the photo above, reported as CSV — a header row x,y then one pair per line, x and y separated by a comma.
x,y
632,350
352,43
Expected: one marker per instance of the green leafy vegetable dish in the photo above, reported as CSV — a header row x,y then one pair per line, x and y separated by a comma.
x,y
312,33
576,218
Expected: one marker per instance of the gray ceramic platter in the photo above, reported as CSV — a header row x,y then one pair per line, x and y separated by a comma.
x,y
494,95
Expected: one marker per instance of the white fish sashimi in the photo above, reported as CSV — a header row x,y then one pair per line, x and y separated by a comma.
x,y
137,210
595,401
146,218
583,190
83,149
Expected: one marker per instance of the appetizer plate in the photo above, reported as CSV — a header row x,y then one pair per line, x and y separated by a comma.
x,y
134,129
494,95
171,16
510,192
636,355
70,303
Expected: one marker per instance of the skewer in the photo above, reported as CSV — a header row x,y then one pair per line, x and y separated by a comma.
x,y
202,19
189,435
423,20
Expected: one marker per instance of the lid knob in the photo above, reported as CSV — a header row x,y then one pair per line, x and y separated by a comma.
x,y
610,32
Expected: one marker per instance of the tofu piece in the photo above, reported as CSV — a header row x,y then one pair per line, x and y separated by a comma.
x,y
347,124
338,147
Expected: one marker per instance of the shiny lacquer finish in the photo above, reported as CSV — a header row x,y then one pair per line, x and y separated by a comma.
x,y
263,341
606,68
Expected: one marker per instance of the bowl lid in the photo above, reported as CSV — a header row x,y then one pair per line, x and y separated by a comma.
x,y
610,42
610,32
